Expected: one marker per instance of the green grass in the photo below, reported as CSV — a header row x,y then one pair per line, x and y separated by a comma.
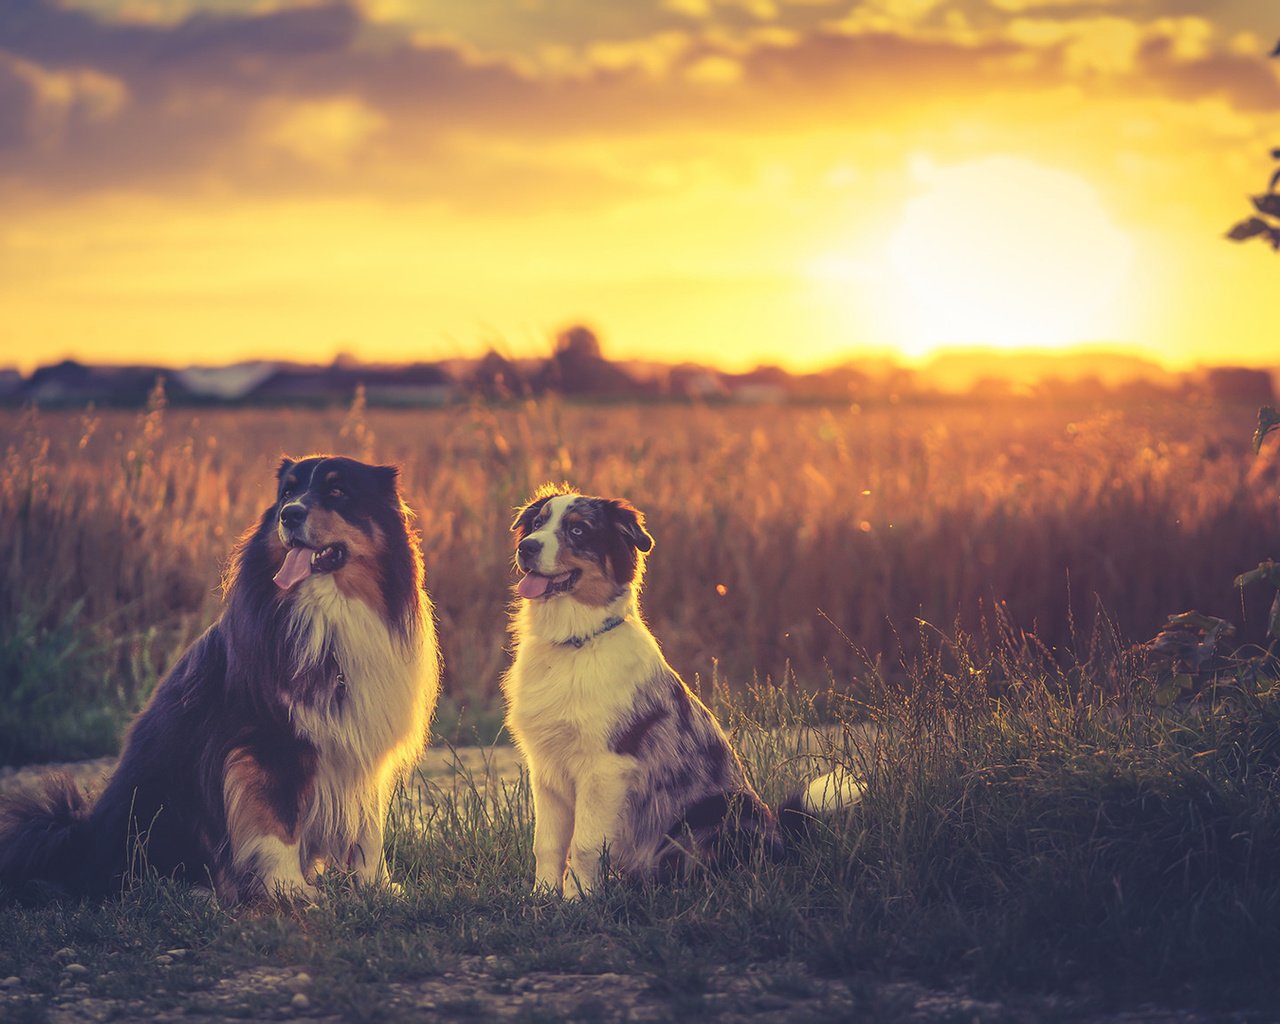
x,y
1033,824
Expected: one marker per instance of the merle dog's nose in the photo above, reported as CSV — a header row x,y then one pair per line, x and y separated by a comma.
x,y
292,516
528,548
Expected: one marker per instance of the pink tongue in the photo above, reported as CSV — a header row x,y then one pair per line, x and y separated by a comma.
x,y
296,568
532,586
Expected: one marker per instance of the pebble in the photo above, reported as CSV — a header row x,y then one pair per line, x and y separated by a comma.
x,y
13,981
299,981
299,1001
65,953
164,959
178,953
76,969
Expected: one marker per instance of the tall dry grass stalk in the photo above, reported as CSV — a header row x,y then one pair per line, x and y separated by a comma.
x,y
774,526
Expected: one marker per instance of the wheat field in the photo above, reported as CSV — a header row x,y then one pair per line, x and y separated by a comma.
x,y
789,539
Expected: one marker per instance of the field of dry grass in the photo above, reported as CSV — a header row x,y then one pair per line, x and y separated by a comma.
x,y
1036,824
784,535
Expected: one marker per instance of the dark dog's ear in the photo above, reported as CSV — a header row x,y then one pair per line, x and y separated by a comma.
x,y
286,464
629,522
386,476
524,521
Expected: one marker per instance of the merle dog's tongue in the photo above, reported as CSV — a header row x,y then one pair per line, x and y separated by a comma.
x,y
296,568
532,585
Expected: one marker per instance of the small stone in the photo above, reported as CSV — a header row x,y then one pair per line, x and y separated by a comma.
x,y
178,953
65,953
164,959
13,981
299,1001
301,980
76,969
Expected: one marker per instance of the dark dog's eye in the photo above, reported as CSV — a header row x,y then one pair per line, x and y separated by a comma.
x,y
286,493
337,492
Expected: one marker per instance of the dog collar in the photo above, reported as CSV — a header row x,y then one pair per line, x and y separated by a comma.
x,y
612,622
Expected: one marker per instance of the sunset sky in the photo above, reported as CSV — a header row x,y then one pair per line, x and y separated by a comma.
x,y
744,181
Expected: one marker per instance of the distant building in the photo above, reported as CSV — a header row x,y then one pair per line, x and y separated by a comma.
x,y
696,382
419,384
224,383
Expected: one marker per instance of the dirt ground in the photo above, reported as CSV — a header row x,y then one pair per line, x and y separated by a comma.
x,y
482,989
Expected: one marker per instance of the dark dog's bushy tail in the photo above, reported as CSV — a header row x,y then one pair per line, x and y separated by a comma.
x,y
45,837
821,800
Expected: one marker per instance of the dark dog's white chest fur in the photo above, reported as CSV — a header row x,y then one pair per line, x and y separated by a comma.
x,y
374,728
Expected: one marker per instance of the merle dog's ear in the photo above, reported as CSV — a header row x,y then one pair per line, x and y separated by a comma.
x,y
524,521
629,522
286,464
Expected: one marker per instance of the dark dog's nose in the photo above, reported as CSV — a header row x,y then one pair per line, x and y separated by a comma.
x,y
528,549
292,516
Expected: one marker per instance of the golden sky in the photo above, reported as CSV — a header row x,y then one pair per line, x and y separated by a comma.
x,y
742,181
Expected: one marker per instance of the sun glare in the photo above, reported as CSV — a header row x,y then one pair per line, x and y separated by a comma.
x,y
1006,253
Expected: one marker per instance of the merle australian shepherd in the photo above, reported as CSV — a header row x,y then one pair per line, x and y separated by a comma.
x,y
622,755
271,749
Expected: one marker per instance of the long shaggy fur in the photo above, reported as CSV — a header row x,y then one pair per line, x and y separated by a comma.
x,y
622,755
271,749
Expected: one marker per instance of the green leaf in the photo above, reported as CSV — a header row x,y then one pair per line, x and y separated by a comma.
x,y
1268,204
1248,229
1268,420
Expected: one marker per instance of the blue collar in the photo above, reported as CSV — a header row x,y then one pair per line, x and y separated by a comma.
x,y
612,622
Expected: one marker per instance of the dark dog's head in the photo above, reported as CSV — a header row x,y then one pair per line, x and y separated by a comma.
x,y
584,547
335,515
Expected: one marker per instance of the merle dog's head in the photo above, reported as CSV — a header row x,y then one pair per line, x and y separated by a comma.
x,y
585,547
336,515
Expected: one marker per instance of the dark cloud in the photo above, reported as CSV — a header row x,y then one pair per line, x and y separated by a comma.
x,y
876,64
1246,83
17,106
89,103
54,35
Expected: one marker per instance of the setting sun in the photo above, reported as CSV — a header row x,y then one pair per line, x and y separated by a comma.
x,y
797,183
1006,253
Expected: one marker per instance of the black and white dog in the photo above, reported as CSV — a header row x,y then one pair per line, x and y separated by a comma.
x,y
271,749
621,753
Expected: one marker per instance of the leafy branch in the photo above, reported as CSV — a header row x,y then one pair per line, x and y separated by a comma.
x,y
1265,223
